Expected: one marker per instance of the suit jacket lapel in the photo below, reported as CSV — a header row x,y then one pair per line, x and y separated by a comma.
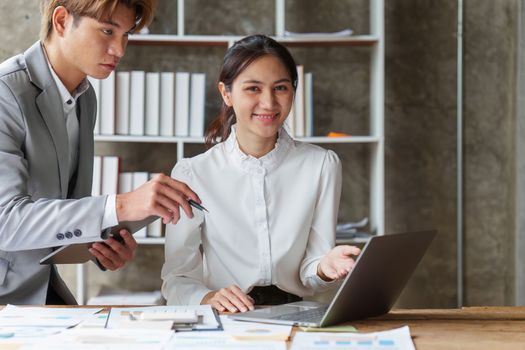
x,y
50,107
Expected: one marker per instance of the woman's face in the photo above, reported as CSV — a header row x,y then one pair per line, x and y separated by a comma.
x,y
261,96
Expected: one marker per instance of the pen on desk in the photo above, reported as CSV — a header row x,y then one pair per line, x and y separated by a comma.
x,y
197,205
107,319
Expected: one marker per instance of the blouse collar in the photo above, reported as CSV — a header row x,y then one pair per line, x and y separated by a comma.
x,y
269,161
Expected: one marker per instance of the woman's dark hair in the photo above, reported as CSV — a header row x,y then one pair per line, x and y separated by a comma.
x,y
237,58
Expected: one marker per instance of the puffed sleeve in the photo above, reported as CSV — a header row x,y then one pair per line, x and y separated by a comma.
x,y
322,232
182,272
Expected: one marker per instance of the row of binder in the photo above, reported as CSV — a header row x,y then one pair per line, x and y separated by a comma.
x,y
300,120
107,179
142,103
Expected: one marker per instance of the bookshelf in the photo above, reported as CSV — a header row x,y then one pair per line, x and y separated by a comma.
x,y
374,140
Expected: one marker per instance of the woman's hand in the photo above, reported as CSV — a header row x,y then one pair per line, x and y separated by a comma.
x,y
231,299
337,263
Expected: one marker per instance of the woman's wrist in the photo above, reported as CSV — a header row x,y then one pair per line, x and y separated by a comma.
x,y
321,275
208,297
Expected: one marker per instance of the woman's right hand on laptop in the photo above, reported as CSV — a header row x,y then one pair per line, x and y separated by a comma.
x,y
337,263
231,299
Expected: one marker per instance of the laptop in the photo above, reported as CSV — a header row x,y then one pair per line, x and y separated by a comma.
x,y
381,272
79,253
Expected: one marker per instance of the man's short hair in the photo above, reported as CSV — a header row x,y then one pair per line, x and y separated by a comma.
x,y
97,9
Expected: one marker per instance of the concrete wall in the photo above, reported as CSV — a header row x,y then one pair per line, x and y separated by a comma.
x,y
420,125
421,139
490,127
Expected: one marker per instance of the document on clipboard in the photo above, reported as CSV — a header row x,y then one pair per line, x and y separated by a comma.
x,y
79,253
178,318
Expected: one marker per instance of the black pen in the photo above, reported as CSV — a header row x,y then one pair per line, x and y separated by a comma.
x,y
197,205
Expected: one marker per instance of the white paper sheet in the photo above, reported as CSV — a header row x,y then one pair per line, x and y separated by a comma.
x,y
341,33
398,339
13,316
241,330
104,339
218,341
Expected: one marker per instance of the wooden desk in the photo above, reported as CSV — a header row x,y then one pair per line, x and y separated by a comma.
x,y
479,328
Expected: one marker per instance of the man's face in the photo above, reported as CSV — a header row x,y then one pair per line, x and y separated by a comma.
x,y
94,47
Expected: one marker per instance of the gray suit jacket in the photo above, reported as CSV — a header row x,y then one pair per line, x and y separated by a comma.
x,y
40,207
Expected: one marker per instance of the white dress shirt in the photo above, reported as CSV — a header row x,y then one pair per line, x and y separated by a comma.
x,y
69,104
270,220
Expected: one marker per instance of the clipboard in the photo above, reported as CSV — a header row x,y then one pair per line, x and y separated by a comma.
x,y
208,318
79,253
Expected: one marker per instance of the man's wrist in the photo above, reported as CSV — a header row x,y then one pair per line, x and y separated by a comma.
x,y
106,233
118,206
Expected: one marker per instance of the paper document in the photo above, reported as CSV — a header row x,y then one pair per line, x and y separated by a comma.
x,y
151,317
14,337
13,316
218,341
241,330
104,339
341,33
95,321
398,339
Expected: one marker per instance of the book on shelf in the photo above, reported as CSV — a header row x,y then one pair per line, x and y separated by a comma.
x,y
140,178
197,102
122,111
182,103
167,103
289,122
97,176
155,229
299,122
110,170
299,103
152,103
136,113
308,105
95,83
125,182
107,105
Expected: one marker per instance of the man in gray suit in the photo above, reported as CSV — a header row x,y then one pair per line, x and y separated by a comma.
x,y
47,115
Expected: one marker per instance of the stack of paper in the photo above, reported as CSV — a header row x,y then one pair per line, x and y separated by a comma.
x,y
22,327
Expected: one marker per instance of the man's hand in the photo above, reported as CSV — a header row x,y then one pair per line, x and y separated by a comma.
x,y
337,263
161,196
231,299
112,254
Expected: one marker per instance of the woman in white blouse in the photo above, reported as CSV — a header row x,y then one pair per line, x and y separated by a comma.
x,y
269,235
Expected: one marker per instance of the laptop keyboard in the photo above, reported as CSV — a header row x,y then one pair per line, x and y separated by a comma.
x,y
307,316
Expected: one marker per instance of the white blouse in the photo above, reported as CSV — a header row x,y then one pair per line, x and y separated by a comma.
x,y
270,220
